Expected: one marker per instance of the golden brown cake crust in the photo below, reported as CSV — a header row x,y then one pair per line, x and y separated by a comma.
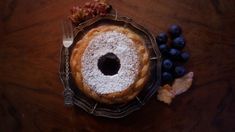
x,y
115,97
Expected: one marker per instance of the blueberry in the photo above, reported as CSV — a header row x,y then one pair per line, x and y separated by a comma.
x,y
167,64
179,71
167,77
178,43
163,48
174,53
175,30
184,56
161,38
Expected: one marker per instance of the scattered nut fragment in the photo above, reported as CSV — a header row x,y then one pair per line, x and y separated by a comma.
x,y
180,85
165,95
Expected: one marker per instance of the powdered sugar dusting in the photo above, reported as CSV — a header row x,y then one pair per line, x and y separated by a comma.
x,y
118,44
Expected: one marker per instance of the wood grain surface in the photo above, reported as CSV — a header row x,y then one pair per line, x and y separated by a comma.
x,y
31,97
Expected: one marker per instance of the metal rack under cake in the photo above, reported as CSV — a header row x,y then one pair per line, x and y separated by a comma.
x,y
117,110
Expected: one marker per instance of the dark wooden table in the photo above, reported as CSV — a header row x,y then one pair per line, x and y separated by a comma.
x,y
31,92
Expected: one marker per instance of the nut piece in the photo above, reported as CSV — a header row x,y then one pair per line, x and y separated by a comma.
x,y
180,85
165,95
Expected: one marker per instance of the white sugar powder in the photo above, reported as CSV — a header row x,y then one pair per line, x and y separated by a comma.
x,y
118,44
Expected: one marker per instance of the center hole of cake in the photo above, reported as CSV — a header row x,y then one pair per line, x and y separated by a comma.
x,y
109,64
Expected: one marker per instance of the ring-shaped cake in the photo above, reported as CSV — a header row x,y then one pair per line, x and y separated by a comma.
x,y
110,64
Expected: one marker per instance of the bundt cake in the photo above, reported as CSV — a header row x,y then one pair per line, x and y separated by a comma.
x,y
110,64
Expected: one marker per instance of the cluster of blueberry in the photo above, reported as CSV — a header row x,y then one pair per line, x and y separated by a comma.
x,y
173,54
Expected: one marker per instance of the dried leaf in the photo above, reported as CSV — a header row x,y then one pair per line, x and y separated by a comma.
x,y
182,84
